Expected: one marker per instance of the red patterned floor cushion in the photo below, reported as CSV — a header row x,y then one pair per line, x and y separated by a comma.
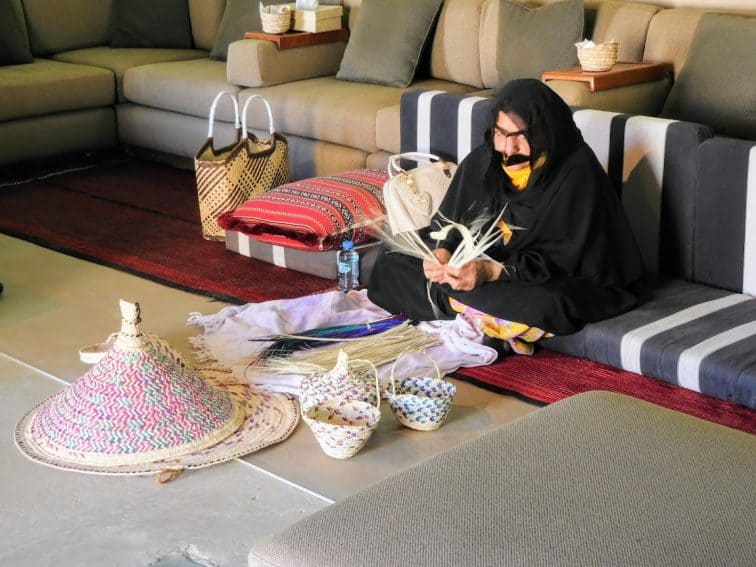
x,y
314,214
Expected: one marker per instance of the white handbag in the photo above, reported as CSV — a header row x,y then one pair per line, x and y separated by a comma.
x,y
413,197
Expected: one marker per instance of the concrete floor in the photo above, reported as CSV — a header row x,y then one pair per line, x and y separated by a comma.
x,y
53,305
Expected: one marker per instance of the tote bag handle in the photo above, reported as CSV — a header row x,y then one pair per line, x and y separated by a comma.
x,y
395,169
211,119
271,127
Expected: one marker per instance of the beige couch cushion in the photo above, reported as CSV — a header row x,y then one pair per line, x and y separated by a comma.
x,y
334,111
455,55
55,25
716,83
642,98
119,60
206,17
186,87
669,35
627,23
45,87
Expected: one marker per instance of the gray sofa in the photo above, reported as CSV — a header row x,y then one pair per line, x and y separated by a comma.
x,y
596,479
80,94
64,101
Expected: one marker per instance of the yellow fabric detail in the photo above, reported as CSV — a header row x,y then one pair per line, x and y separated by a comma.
x,y
518,177
519,336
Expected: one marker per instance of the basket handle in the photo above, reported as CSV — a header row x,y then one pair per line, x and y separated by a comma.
x,y
214,105
377,383
271,127
405,351
395,169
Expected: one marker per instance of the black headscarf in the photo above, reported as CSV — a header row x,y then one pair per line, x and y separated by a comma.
x,y
575,262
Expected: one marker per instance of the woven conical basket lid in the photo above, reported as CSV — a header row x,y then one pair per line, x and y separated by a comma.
x,y
139,404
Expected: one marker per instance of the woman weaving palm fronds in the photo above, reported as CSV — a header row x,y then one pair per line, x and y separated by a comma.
x,y
576,261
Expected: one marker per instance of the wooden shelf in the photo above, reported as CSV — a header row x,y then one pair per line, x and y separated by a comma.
x,y
291,39
620,75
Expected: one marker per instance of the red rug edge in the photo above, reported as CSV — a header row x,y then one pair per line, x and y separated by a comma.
x,y
509,377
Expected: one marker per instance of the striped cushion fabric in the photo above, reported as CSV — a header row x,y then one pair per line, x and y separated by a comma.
x,y
725,245
314,214
321,264
684,333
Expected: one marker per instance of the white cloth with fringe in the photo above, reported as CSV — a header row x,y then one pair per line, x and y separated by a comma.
x,y
225,341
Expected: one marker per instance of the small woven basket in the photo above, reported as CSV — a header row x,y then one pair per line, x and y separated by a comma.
x,y
602,57
340,383
422,402
342,427
276,23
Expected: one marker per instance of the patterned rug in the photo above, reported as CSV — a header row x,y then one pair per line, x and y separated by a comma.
x,y
142,218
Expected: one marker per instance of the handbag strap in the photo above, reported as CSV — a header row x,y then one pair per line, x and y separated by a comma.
x,y
271,127
421,157
211,118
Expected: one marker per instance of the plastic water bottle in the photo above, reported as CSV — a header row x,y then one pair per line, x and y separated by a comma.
x,y
349,267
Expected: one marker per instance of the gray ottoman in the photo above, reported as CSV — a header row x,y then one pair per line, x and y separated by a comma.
x,y
596,479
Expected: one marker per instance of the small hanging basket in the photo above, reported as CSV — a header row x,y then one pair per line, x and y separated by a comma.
x,y
276,23
602,57
343,427
421,402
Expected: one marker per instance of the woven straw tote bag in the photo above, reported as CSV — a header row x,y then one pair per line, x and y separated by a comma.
x,y
231,175
343,427
421,402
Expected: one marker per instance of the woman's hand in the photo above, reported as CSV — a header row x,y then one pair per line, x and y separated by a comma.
x,y
436,272
472,274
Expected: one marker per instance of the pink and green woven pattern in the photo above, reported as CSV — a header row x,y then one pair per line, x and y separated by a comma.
x,y
132,407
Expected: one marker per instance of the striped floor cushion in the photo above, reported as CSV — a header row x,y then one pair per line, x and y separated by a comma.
x,y
322,264
696,336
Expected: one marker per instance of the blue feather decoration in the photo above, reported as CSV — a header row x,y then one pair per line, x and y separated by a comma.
x,y
284,345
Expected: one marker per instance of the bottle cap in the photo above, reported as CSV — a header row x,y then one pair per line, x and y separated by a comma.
x,y
347,245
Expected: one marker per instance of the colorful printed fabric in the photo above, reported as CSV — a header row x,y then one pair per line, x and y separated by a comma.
x,y
314,214
519,336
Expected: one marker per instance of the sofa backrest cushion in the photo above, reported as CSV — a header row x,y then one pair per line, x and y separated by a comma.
x,y
525,41
386,44
14,40
626,23
716,83
725,225
147,23
455,55
56,26
669,35
206,17
652,162
240,16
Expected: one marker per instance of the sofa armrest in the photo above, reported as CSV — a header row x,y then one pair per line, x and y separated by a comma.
x,y
260,63
641,98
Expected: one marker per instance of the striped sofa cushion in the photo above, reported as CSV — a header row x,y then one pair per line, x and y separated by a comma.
x,y
694,219
684,333
641,154
725,245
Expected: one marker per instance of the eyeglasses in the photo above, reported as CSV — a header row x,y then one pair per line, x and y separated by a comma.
x,y
509,135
